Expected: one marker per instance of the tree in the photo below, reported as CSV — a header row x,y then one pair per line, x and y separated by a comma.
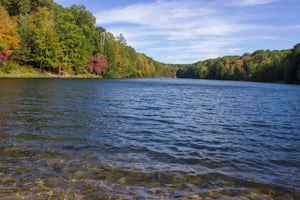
x,y
220,69
109,52
43,40
9,39
3,57
99,40
72,41
293,61
97,65
86,21
17,7
121,39
36,4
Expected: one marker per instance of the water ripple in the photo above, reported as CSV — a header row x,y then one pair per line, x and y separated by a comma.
x,y
148,139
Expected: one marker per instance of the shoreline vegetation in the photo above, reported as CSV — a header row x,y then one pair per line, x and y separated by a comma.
x,y
30,72
42,36
277,66
42,39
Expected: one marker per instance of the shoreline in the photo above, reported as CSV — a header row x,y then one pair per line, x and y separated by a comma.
x,y
48,75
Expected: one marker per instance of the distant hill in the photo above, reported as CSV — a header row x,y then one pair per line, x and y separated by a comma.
x,y
262,66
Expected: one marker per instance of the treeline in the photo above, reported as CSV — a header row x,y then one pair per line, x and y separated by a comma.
x,y
49,37
262,66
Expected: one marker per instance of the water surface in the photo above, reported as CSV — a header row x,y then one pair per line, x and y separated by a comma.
x,y
148,139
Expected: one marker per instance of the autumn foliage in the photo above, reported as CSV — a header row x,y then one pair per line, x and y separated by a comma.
x,y
261,65
3,57
97,65
46,36
9,40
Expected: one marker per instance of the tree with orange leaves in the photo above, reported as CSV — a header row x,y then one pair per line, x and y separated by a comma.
x,y
9,39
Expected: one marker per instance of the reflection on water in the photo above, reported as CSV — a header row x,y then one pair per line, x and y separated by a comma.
x,y
148,139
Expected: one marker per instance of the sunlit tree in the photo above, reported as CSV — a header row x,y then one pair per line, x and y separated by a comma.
x,y
9,39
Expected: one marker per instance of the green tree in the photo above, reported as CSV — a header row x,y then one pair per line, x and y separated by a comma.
x,y
72,41
86,21
293,61
17,7
220,69
43,40
109,52
121,39
99,40
36,4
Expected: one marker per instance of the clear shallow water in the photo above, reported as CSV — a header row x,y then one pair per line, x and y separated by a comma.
x,y
148,139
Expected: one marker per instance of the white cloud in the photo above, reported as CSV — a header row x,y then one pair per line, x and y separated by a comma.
x,y
180,31
294,27
253,2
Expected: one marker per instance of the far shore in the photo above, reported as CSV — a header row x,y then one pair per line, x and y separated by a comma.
x,y
48,75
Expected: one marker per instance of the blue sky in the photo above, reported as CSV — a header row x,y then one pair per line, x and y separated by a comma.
x,y
187,31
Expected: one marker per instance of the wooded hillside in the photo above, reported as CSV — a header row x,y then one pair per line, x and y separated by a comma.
x,y
48,37
262,66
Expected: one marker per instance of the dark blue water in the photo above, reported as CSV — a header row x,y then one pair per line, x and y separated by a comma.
x,y
148,139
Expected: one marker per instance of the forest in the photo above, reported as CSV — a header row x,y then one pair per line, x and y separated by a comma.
x,y
261,66
40,35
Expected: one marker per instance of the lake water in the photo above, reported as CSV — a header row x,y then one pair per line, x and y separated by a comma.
x,y
148,139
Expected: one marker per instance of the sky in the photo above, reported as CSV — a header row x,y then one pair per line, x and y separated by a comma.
x,y
187,31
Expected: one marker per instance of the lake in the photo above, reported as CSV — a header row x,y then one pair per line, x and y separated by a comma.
x,y
148,139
